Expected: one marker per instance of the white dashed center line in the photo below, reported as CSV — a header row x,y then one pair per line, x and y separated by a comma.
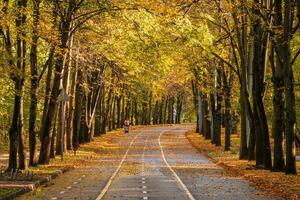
x,y
62,192
183,186
143,171
103,192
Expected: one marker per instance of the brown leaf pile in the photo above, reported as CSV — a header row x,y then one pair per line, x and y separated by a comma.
x,y
274,183
102,151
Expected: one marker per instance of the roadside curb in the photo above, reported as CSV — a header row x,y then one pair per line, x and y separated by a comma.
x,y
35,185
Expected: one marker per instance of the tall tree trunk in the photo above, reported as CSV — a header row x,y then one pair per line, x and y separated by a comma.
x,y
34,84
92,104
250,125
165,110
149,121
132,112
67,64
179,108
49,66
79,95
13,137
136,114
114,114
47,129
118,99
144,114
53,141
259,64
48,87
128,108
161,116
199,112
83,130
257,60
242,41
156,113
195,98
289,91
103,111
227,84
19,78
213,118
58,145
98,114
13,134
278,85
70,124
97,129
243,137
171,111
218,121
123,106
108,107
278,122
206,120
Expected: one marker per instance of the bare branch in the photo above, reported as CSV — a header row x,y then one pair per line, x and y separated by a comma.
x,y
295,57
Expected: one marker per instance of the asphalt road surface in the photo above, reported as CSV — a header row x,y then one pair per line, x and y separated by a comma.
x,y
157,163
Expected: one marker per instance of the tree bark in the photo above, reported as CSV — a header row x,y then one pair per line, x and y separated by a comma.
x,y
213,118
70,124
136,114
195,98
206,119
179,108
218,121
53,141
47,129
17,126
161,108
118,99
149,121
103,108
34,84
263,150
278,88
49,66
13,137
200,112
289,91
227,84
79,95
242,43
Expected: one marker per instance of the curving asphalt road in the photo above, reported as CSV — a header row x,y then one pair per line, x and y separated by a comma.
x,y
156,163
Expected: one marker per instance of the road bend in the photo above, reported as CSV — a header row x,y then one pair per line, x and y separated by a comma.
x,y
157,163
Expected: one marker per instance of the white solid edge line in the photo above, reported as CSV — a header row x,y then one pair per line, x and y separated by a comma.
x,y
105,189
191,197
